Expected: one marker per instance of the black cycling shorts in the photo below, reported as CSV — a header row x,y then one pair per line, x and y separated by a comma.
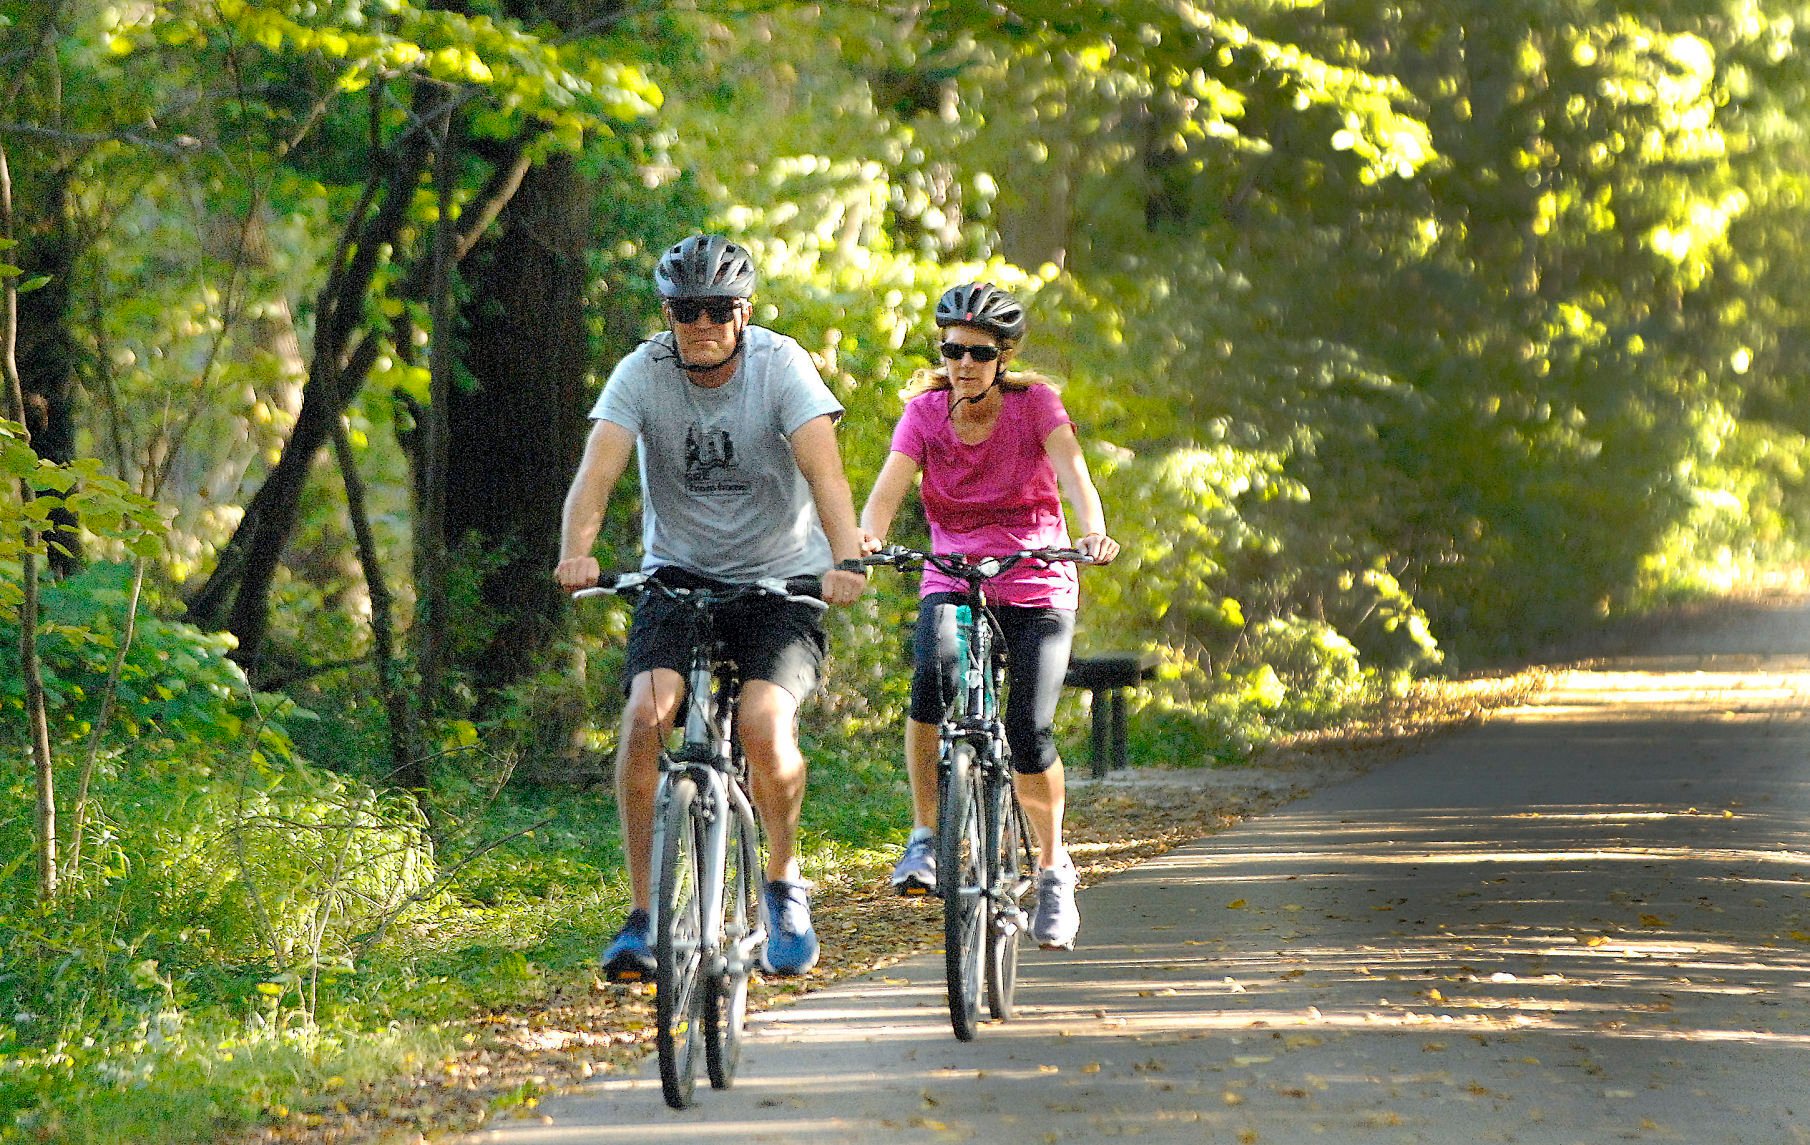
x,y
781,641
1037,643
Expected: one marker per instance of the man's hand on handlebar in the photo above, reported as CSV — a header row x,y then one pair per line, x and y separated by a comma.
x,y
575,573
842,587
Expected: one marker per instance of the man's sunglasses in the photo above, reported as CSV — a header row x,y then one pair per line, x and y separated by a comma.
x,y
720,310
981,353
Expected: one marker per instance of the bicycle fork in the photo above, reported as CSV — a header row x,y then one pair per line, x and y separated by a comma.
x,y
717,801
707,807
1006,888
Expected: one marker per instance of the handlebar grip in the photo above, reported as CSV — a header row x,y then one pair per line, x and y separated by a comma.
x,y
809,586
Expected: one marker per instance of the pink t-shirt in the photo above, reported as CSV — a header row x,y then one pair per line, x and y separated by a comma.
x,y
995,497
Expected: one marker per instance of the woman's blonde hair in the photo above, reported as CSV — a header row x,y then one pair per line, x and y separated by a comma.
x,y
933,378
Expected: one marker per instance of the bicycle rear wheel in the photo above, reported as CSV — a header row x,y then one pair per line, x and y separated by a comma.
x,y
678,956
961,875
1012,879
726,995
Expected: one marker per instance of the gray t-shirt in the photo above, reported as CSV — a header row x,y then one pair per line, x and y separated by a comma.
x,y
721,492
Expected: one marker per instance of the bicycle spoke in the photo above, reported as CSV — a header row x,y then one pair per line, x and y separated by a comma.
x,y
726,1001
678,961
1012,878
961,871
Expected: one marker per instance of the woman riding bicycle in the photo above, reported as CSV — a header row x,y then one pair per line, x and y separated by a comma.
x,y
997,454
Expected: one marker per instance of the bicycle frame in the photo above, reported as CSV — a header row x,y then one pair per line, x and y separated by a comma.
x,y
708,755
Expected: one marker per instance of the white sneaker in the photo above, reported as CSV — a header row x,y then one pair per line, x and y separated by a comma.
x,y
1056,920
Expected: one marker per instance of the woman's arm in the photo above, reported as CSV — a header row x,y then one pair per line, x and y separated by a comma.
x,y
1064,452
889,490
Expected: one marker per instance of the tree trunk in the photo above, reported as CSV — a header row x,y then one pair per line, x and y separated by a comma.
x,y
43,764
46,353
516,435
342,356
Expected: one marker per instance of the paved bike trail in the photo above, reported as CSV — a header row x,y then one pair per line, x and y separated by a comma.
x,y
1587,920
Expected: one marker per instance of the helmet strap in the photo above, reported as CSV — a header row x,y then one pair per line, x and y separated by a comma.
x,y
977,398
701,368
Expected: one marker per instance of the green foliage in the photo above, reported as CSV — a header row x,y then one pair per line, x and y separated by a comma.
x,y
221,879
1399,338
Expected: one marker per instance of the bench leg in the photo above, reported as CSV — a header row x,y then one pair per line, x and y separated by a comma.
x,y
1121,754
1100,705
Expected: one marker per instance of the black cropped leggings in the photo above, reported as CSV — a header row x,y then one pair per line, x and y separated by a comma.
x,y
1037,644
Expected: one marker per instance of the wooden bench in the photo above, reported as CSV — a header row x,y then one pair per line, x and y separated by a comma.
x,y
1106,678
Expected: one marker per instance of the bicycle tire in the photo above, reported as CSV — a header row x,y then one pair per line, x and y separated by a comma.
x,y
1012,877
726,995
678,955
962,877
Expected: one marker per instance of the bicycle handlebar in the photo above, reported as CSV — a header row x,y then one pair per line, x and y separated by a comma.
x,y
967,568
802,589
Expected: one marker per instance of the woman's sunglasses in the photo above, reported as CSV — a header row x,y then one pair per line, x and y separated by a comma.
x,y
720,310
981,353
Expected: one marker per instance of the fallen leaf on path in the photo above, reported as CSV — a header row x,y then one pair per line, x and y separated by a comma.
x,y
1235,904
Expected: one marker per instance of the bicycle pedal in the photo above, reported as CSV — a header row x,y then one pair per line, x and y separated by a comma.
x,y
914,891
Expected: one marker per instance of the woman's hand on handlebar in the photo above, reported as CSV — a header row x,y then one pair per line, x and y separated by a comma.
x,y
575,573
1099,547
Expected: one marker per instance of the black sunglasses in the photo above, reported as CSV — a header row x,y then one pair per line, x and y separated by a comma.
x,y
982,353
720,310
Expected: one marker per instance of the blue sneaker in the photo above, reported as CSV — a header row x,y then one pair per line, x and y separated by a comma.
x,y
791,943
630,956
915,875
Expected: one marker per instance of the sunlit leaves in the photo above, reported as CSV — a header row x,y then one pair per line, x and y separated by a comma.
x,y
569,86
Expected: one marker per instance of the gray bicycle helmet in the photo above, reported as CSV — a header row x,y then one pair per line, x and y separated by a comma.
x,y
984,307
705,266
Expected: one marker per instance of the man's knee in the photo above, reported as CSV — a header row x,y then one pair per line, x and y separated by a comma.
x,y
767,721
652,699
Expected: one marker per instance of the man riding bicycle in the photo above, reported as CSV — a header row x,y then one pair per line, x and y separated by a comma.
x,y
741,480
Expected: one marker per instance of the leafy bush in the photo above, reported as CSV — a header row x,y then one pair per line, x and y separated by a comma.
x,y
220,876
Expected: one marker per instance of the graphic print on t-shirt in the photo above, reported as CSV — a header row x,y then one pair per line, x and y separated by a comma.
x,y
710,465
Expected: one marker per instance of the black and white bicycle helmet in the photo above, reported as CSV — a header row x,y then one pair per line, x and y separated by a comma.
x,y
984,307
705,266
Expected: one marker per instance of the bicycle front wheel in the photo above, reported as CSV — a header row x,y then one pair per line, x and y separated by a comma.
x,y
962,877
726,995
1012,880
678,953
